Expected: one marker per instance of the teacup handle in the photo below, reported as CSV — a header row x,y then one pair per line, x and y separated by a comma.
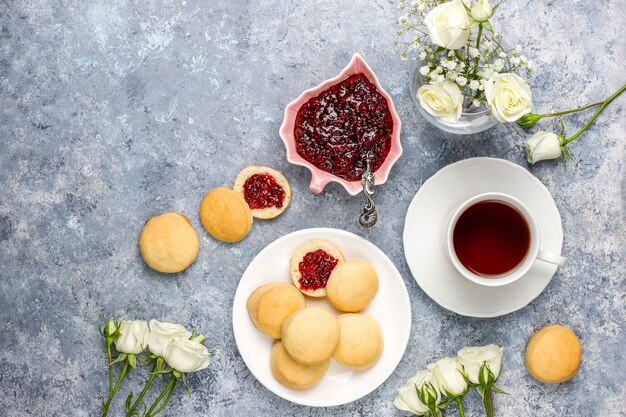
x,y
551,258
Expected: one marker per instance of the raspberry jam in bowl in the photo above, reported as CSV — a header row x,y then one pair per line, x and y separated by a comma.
x,y
330,128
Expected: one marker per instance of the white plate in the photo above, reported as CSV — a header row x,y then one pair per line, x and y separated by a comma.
x,y
391,307
425,230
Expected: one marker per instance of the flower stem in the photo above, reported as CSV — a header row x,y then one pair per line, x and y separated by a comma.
x,y
459,401
117,385
478,37
167,399
105,409
110,358
590,121
488,402
561,113
168,390
143,392
480,33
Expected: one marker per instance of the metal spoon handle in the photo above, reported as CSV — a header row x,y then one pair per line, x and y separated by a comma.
x,y
369,217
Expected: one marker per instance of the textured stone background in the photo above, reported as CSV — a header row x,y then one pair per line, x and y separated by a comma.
x,y
114,111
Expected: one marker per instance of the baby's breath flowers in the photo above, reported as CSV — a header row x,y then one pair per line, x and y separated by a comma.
x,y
454,41
446,381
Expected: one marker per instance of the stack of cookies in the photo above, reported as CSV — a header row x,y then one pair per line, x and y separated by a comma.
x,y
308,337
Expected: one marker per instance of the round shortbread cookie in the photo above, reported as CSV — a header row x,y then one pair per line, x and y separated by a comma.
x,y
293,374
360,341
553,354
322,266
352,285
256,174
253,300
310,335
225,215
169,243
271,304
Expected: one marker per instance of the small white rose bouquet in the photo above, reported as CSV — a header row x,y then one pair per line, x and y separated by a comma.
x,y
446,381
465,67
172,349
464,64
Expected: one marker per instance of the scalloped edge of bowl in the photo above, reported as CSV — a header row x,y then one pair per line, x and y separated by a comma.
x,y
320,178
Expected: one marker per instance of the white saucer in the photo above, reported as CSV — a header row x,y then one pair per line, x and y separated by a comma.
x,y
425,231
391,307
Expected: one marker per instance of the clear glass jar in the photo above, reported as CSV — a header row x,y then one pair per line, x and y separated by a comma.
x,y
473,121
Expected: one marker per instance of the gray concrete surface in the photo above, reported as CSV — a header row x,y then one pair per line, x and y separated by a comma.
x,y
113,111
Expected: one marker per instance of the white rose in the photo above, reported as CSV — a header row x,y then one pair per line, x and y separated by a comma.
x,y
509,97
186,355
406,397
446,23
543,145
133,337
442,99
473,358
161,333
482,11
448,374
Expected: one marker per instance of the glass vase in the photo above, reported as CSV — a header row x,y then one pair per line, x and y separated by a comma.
x,y
473,121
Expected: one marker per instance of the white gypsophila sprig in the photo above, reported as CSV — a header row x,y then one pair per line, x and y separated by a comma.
x,y
411,23
470,66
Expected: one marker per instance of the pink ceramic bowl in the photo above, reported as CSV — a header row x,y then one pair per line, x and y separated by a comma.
x,y
320,178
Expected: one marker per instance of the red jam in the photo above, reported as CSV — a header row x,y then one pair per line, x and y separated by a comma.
x,y
336,129
315,269
262,191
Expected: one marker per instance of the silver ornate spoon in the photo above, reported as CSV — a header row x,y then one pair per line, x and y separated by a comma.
x,y
369,217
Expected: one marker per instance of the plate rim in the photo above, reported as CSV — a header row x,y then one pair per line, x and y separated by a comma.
x,y
434,177
405,293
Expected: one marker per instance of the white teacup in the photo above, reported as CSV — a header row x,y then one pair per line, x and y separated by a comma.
x,y
533,254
